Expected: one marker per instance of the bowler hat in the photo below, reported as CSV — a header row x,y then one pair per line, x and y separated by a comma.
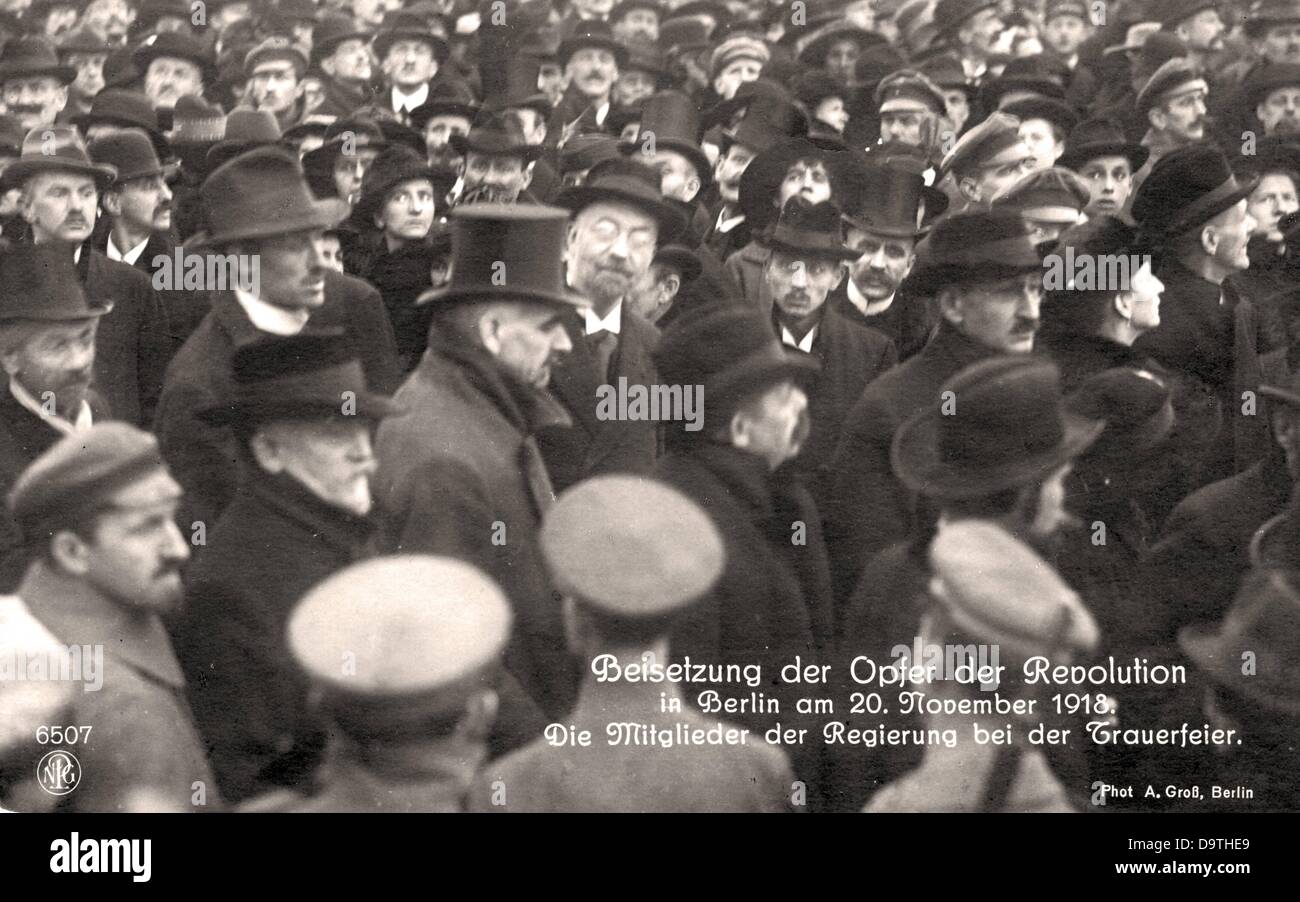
x,y
118,106
1187,187
495,135
732,352
593,33
28,57
971,247
259,194
890,200
447,99
670,120
312,375
423,635
393,166
1101,137
55,148
1011,428
333,30
400,25
507,251
131,153
631,547
760,183
40,282
630,183
178,45
809,229
1262,622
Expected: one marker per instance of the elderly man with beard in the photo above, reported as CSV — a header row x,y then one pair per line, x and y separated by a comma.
x,y
33,83
460,473
985,275
619,219
591,59
61,190
174,65
303,420
96,513
1173,101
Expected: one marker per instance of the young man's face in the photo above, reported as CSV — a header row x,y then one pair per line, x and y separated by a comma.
x,y
407,214
831,111
609,247
168,79
677,176
1110,180
1044,140
1065,33
798,284
350,61
980,33
1280,111
730,167
1273,198
292,269
884,262
1281,43
409,64
90,73
494,178
735,74
332,251
35,100
61,206
56,363
592,71
349,170
144,204
1001,315
807,178
653,293
958,106
274,86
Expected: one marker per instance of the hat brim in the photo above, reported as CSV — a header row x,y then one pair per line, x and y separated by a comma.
x,y
322,214
568,48
810,248
692,152
460,294
146,55
65,75
384,42
1074,157
763,176
370,406
671,222
919,463
21,170
759,370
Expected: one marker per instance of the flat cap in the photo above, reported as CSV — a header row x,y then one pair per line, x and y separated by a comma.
x,y
741,46
1176,76
79,471
906,88
1048,195
631,547
402,634
985,144
276,48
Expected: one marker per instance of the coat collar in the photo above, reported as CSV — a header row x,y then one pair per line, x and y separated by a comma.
x,y
951,344
285,496
81,615
528,409
745,476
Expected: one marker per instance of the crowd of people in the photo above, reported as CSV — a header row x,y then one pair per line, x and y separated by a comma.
x,y
311,312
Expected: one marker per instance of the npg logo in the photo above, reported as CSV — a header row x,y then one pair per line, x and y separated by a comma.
x,y
58,772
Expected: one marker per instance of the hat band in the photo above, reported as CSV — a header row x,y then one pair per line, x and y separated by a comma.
x,y
1203,208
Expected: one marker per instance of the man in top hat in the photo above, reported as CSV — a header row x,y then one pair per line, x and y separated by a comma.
x,y
984,273
96,515
807,260
660,554
258,208
341,51
173,64
410,58
1196,23
619,220
275,70
33,82
408,725
61,191
1050,200
669,141
1106,160
466,443
85,50
972,27
591,59
497,162
303,421
1173,103
47,348
987,160
911,108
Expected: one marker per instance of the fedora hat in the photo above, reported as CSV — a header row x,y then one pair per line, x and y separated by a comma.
x,y
118,106
730,350
245,129
890,200
760,183
950,15
1262,620
1187,187
175,45
40,282
811,49
131,153
1055,112
28,57
497,136
1136,407
259,194
55,148
85,39
333,30
974,246
297,377
354,131
1029,75
672,120
401,25
393,166
1011,428
1170,13
525,242
1101,137
1269,13
446,99
632,183
805,229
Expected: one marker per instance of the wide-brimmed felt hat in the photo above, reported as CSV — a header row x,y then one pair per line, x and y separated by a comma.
x,y
131,153
1135,405
945,70
513,251
1267,78
85,39
333,30
27,57
393,166
725,111
40,282
446,99
674,122
811,49
177,45
1273,153
245,129
950,15
1011,428
1172,77
1135,36
495,135
1101,137
299,377
342,135
118,106
591,33
1262,622
1186,188
261,193
761,181
631,183
974,246
400,25
55,148
730,350
809,229
1268,13
1030,74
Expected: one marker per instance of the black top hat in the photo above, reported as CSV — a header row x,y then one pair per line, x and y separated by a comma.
x,y
40,282
732,351
131,153
394,165
178,45
1186,188
28,57
1011,429
674,121
910,158
399,25
1100,137
495,135
761,182
592,33
521,87
507,251
452,98
300,377
632,183
886,199
809,230
976,246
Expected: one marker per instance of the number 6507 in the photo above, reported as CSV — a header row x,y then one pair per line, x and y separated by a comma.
x,y
62,735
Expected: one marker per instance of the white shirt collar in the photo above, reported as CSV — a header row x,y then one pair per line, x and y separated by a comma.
x,y
601,112
866,306
130,256
80,423
612,323
804,345
76,254
408,102
726,225
270,318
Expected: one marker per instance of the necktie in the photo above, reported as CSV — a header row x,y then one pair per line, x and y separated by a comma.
x,y
602,343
